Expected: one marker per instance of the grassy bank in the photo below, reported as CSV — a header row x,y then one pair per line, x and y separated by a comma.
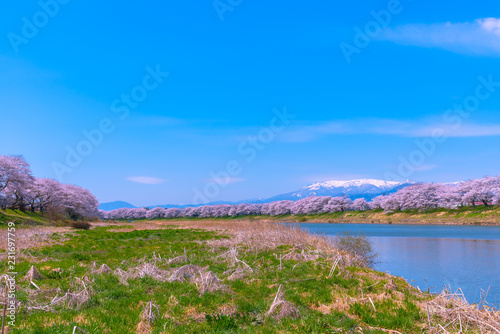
x,y
211,277
22,218
28,219
478,215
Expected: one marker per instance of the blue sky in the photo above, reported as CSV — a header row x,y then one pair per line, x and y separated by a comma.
x,y
372,114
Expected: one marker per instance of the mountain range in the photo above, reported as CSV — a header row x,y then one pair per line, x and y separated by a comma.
x,y
360,188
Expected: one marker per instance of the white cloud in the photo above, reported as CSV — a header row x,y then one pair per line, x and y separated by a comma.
x,y
491,24
427,128
145,179
480,37
389,127
465,130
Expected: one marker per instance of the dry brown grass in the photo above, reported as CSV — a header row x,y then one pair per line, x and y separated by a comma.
x,y
51,297
208,282
281,308
34,237
32,275
103,269
263,235
150,313
460,316
227,309
193,314
259,235
144,269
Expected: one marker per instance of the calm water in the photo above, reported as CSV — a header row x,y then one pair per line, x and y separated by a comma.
x,y
466,257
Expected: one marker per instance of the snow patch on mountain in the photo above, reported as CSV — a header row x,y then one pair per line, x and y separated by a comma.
x,y
355,183
359,188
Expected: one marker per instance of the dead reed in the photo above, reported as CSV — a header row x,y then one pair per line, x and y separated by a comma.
x,y
148,316
281,308
460,316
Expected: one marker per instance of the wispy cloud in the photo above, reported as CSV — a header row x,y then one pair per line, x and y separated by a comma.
x,y
415,128
145,179
480,37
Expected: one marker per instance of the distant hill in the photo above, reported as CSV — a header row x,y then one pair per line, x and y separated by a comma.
x,y
115,205
361,188
124,205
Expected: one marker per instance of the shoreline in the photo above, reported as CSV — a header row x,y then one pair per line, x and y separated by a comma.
x,y
321,221
489,224
478,216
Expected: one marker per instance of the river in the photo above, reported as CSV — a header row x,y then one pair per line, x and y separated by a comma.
x,y
434,256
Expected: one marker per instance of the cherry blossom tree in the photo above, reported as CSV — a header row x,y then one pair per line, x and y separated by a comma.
x,y
15,179
78,202
378,202
339,203
360,204
496,200
155,213
481,190
277,208
420,196
310,205
172,213
486,189
45,194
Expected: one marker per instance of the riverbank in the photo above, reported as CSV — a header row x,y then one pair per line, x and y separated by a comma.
x,y
462,216
226,276
487,216
479,215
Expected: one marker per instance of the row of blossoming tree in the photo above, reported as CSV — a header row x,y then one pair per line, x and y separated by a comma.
x,y
420,196
19,189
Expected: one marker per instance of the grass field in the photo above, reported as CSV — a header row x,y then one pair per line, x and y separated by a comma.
x,y
209,277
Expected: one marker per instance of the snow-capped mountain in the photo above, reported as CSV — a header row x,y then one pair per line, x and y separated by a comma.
x,y
353,184
361,188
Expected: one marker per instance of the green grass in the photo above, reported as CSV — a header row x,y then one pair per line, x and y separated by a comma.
x,y
116,308
21,218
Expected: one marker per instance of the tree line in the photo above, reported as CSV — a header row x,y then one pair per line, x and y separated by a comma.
x,y
20,190
420,196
